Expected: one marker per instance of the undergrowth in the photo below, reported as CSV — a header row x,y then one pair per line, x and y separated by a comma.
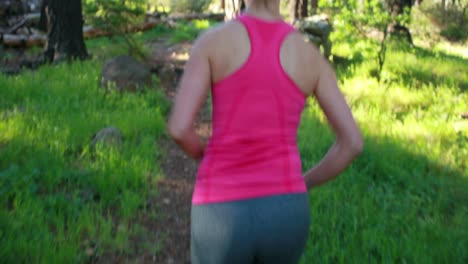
x,y
405,199
62,201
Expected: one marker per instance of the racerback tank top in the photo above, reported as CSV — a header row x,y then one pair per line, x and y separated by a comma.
x,y
256,112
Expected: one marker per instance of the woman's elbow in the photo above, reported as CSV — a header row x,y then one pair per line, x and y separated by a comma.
x,y
176,132
353,145
357,144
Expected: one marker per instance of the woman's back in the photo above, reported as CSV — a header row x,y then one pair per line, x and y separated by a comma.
x,y
229,48
250,202
256,113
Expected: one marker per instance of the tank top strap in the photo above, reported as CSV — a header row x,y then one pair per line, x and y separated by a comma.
x,y
266,37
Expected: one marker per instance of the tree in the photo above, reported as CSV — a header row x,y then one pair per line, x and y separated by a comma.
x,y
304,8
299,9
232,8
397,9
64,30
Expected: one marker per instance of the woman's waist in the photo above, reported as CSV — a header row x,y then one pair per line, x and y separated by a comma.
x,y
252,165
231,188
238,153
250,142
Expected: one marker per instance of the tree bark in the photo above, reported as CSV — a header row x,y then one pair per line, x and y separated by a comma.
x,y
397,7
298,9
64,30
43,19
294,10
304,6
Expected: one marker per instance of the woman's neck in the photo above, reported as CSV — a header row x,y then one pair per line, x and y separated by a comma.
x,y
269,9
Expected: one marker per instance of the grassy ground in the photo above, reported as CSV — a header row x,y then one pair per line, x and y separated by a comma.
x,y
404,200
58,197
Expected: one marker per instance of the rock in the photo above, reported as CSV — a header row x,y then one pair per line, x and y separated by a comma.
x,y
317,30
168,77
109,136
169,73
125,73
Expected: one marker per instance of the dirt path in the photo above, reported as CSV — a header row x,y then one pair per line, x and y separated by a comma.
x,y
175,189
174,199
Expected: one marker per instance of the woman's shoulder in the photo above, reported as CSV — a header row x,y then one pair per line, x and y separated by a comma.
x,y
222,31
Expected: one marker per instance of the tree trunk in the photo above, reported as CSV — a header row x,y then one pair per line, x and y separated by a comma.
x,y
299,9
64,30
397,7
294,10
43,19
233,8
304,7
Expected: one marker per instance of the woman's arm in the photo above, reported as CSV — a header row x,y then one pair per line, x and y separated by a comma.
x,y
192,92
349,143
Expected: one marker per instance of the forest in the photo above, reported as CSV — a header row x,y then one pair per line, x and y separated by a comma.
x,y
89,174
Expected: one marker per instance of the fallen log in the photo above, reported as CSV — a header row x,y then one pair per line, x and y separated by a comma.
x,y
11,40
213,16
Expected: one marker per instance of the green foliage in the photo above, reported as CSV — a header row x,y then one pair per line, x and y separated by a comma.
x,y
351,22
189,6
118,17
114,15
354,20
404,200
189,31
105,48
452,32
57,195
452,19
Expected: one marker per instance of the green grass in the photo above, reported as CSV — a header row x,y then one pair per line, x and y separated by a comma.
x,y
405,199
56,193
190,30
103,48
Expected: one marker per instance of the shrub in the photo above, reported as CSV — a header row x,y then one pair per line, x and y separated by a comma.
x,y
453,32
189,6
451,19
118,17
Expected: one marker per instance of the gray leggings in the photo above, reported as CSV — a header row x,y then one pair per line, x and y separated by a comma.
x,y
266,230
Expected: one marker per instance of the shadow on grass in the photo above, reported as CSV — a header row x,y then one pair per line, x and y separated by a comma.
x,y
50,205
391,205
419,66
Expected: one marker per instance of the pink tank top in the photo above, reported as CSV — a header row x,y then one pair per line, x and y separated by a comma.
x,y
256,112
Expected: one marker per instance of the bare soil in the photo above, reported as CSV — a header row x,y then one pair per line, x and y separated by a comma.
x,y
173,201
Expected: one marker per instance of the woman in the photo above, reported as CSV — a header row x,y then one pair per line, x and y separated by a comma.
x,y
250,203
